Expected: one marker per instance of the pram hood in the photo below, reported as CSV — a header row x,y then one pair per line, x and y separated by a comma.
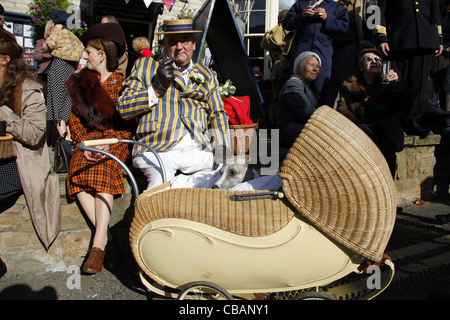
x,y
338,179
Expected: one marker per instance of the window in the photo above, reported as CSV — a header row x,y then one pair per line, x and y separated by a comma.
x,y
252,17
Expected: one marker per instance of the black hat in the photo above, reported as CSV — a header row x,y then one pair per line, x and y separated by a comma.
x,y
59,17
369,50
2,11
365,51
107,31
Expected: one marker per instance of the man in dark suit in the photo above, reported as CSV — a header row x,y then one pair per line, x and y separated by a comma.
x,y
410,34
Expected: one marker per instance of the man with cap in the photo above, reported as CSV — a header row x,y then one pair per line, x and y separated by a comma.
x,y
297,102
179,108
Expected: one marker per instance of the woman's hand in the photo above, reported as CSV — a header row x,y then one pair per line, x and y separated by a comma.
x,y
94,156
392,76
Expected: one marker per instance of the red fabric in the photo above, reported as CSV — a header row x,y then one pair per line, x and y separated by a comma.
x,y
238,109
146,53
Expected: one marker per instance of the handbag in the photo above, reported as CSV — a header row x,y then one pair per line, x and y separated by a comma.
x,y
63,154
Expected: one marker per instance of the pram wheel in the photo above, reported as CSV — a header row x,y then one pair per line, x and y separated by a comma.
x,y
204,290
314,296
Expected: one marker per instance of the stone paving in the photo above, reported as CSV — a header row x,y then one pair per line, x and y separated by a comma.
x,y
34,273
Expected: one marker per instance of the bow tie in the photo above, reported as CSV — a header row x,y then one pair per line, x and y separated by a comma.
x,y
183,68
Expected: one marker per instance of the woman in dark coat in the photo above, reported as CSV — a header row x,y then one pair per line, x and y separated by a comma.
x,y
94,179
372,105
296,101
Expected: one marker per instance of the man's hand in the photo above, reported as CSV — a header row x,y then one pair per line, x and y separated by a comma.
x,y
440,50
384,48
163,77
308,12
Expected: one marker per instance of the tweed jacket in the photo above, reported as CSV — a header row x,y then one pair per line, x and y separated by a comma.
x,y
65,45
40,184
185,106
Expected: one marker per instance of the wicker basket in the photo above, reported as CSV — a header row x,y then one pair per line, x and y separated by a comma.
x,y
7,147
241,136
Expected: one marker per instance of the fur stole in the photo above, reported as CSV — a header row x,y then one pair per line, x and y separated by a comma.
x,y
90,101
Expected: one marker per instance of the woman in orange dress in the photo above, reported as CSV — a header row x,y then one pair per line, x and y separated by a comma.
x,y
94,179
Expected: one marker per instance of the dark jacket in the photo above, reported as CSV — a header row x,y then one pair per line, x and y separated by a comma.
x,y
374,106
409,24
296,104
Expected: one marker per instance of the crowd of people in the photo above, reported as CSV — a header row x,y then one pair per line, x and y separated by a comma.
x,y
174,105
412,37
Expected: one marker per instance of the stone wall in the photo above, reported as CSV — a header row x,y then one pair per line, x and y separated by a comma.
x,y
422,169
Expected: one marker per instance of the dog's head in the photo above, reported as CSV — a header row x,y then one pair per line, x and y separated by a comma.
x,y
233,174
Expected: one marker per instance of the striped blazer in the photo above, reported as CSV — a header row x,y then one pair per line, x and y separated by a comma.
x,y
195,107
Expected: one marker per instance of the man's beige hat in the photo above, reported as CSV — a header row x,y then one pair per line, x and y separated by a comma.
x,y
175,26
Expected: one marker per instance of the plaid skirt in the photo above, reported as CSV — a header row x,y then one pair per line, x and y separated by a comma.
x,y
105,176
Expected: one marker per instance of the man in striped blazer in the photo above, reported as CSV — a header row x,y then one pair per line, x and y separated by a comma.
x,y
179,107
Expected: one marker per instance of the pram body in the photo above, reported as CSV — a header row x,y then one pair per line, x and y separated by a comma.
x,y
335,212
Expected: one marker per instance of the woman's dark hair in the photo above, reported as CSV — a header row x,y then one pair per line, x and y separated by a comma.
x,y
16,72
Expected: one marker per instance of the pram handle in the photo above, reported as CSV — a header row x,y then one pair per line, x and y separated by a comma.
x,y
99,142
87,144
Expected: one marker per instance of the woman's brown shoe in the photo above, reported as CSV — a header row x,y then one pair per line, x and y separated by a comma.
x,y
94,262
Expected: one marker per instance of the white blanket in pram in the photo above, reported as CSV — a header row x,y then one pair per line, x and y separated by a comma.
x,y
208,178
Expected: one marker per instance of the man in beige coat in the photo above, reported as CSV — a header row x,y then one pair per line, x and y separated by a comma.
x,y
40,184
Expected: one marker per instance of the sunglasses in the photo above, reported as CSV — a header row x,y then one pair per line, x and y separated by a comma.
x,y
370,59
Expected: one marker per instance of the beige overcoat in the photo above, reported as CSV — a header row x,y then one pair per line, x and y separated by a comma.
x,y
40,184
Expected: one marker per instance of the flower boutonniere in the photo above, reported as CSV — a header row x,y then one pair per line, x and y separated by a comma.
x,y
366,99
227,90
197,78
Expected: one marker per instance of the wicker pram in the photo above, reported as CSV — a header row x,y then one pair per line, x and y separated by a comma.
x,y
334,213
334,181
